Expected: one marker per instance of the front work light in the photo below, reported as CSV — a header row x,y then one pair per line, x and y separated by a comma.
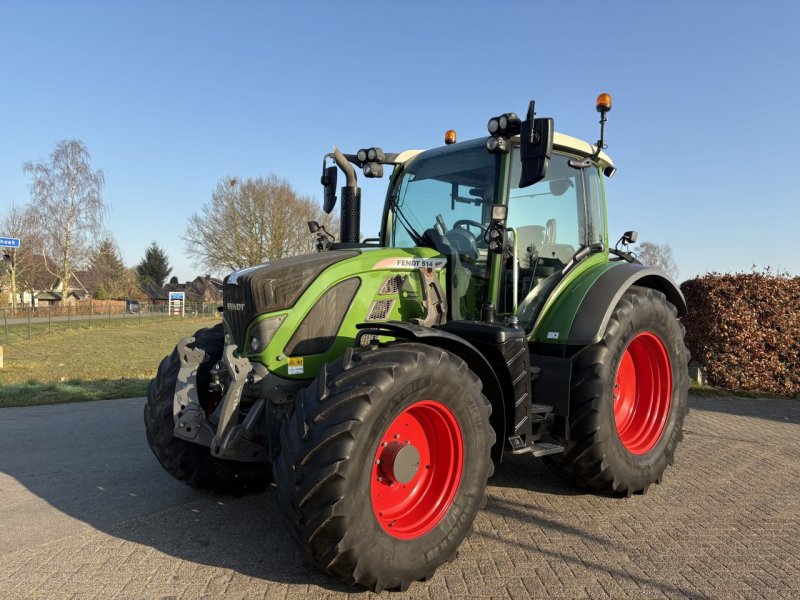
x,y
497,145
505,125
373,169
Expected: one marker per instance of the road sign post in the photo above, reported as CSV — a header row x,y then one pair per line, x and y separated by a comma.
x,y
176,302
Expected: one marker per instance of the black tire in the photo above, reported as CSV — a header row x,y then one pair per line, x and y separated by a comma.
x,y
186,461
595,457
325,468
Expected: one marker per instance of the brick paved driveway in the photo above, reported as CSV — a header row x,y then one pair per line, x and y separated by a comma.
x,y
85,511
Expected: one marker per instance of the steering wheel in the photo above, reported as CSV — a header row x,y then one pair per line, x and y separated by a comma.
x,y
465,224
463,240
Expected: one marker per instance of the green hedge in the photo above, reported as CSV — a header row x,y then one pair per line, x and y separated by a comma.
x,y
744,328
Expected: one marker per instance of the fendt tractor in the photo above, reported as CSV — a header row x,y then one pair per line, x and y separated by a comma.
x,y
377,381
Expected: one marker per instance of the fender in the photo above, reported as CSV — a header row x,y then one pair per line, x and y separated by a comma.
x,y
462,348
601,299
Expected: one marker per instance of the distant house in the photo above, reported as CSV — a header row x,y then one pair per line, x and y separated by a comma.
x,y
154,294
74,291
37,286
201,289
204,289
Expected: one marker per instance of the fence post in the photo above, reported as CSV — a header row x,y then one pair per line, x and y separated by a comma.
x,y
140,312
108,302
91,312
30,310
5,323
50,319
69,315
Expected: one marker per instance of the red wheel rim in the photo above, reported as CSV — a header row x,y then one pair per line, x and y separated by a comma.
x,y
417,469
642,393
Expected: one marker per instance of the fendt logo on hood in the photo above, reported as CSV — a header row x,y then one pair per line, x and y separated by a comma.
x,y
235,306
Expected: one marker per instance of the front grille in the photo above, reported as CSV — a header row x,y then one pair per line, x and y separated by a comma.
x,y
238,320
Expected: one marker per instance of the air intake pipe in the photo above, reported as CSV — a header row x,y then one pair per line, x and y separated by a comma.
x,y
350,219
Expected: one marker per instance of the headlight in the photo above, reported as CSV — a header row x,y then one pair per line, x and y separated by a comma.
x,y
262,332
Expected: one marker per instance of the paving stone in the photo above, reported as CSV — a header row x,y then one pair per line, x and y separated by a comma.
x,y
724,524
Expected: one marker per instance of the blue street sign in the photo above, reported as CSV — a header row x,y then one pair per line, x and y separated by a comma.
x,y
9,242
174,296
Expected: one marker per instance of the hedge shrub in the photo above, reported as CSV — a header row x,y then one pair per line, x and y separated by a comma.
x,y
744,328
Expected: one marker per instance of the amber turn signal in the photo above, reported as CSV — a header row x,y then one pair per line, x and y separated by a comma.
x,y
450,136
603,103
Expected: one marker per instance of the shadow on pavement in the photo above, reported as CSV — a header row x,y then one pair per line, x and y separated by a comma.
x,y
90,462
783,410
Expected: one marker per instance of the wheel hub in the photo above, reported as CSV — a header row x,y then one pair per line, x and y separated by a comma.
x,y
399,462
642,393
417,469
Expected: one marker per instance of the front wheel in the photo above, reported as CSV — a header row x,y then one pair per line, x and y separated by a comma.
x,y
384,462
628,399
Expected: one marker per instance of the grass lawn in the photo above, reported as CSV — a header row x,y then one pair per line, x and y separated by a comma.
x,y
113,361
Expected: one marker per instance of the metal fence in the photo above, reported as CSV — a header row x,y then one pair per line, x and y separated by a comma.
x,y
27,322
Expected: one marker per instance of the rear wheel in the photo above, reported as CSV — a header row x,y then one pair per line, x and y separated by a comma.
x,y
384,463
184,460
628,399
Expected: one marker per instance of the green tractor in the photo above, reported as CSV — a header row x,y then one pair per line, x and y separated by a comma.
x,y
377,381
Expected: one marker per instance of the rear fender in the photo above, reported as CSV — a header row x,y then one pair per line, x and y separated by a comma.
x,y
594,312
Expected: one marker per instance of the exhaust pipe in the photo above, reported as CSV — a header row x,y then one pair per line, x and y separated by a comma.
x,y
350,215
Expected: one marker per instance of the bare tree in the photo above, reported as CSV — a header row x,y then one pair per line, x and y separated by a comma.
x,y
252,221
658,256
67,204
18,222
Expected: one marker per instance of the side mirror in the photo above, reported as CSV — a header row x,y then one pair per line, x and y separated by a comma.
x,y
313,226
328,180
536,147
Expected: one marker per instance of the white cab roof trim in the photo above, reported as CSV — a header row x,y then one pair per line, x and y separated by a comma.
x,y
560,141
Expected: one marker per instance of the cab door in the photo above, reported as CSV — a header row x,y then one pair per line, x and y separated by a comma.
x,y
548,223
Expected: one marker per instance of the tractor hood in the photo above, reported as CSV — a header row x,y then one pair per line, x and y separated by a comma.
x,y
271,287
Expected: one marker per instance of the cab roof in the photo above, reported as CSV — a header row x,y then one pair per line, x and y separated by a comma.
x,y
560,142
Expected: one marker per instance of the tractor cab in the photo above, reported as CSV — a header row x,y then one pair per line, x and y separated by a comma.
x,y
447,198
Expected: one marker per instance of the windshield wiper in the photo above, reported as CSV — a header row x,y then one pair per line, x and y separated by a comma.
x,y
403,220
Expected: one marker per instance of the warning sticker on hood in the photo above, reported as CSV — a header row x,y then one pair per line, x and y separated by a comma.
x,y
411,263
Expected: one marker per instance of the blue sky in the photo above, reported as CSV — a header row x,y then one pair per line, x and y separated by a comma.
x,y
172,96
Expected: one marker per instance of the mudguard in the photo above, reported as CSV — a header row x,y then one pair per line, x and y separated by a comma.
x,y
601,299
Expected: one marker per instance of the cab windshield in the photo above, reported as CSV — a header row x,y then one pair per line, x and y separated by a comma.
x,y
446,195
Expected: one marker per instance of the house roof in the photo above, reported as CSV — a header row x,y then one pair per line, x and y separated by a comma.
x,y
47,296
154,292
